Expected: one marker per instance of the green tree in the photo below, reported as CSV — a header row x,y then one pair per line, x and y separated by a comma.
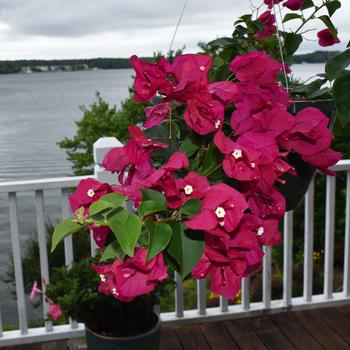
x,y
99,120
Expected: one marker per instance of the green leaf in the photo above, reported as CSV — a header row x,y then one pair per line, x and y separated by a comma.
x,y
188,147
337,64
64,229
341,90
291,16
155,196
114,199
333,6
307,4
160,236
150,207
108,201
112,251
127,231
328,22
292,42
320,93
226,41
191,207
185,247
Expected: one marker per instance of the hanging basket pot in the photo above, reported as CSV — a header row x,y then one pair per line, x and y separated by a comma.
x,y
296,187
145,341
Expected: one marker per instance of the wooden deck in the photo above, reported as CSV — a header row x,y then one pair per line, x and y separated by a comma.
x,y
327,328
306,330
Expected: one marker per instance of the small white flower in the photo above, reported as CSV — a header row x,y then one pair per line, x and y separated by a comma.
x,y
102,277
252,165
126,275
237,153
188,189
90,192
260,231
115,292
220,212
217,124
202,68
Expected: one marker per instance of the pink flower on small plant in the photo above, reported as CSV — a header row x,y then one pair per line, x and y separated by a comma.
x,y
133,277
35,291
55,311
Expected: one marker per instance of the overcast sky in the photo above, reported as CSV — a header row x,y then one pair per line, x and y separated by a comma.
x,y
119,28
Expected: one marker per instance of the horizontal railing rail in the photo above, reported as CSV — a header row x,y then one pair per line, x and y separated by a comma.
x,y
202,313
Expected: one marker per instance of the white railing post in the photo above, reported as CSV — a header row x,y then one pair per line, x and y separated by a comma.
x,y
101,147
309,241
266,278
346,284
17,261
329,239
287,257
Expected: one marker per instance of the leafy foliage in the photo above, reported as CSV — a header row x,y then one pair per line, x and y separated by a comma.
x,y
99,120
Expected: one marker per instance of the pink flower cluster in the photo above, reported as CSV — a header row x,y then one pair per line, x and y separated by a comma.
x,y
89,191
268,21
254,145
54,310
133,277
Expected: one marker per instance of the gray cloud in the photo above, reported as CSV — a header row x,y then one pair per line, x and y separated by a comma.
x,y
77,28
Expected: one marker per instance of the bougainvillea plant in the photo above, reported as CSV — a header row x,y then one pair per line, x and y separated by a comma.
x,y
196,185
212,205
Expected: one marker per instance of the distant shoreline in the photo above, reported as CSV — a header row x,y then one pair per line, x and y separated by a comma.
x,y
71,65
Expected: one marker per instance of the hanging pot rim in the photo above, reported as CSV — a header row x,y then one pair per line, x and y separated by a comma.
x,y
138,336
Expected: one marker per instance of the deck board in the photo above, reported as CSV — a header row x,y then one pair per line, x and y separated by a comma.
x,y
290,326
321,331
269,334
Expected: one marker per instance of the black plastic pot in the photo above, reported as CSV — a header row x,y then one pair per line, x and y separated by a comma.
x,y
295,188
145,341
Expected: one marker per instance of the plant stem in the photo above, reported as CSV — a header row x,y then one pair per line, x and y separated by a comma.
x,y
309,18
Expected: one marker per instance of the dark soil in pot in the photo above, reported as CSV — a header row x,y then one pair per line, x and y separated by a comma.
x,y
112,318
145,341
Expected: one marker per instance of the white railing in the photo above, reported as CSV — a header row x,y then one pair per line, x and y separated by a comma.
x,y
202,313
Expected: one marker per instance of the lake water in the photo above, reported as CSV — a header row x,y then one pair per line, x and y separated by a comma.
x,y
37,111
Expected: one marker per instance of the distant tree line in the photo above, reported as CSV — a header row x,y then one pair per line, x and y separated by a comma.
x,y
315,57
120,63
100,63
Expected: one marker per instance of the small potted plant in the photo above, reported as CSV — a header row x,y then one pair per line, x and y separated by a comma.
x,y
72,295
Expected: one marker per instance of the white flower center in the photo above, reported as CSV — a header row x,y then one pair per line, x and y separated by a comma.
x,y
260,231
220,212
91,193
252,165
115,292
102,277
202,68
217,124
188,189
126,275
237,153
